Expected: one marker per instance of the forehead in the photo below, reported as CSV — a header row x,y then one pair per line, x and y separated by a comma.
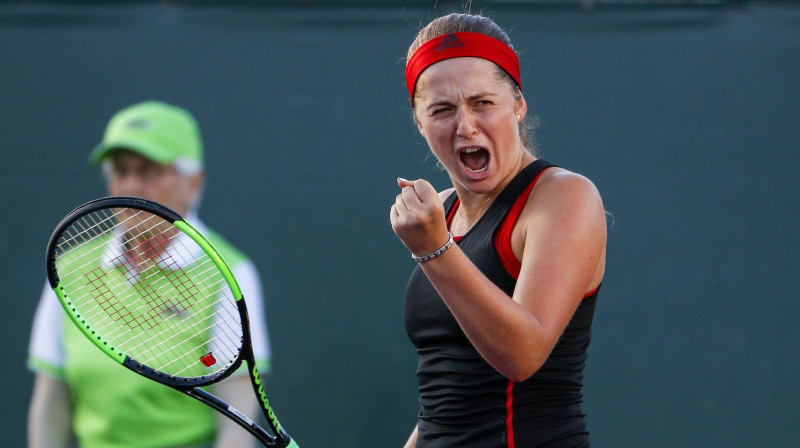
x,y
460,76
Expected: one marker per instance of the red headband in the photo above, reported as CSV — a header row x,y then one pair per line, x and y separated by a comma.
x,y
459,45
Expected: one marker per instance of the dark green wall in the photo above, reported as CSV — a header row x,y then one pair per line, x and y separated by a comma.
x,y
685,118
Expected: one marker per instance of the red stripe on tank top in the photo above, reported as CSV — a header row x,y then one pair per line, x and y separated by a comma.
x,y
450,216
502,238
510,413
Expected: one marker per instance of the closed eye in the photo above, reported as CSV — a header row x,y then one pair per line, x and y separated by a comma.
x,y
438,109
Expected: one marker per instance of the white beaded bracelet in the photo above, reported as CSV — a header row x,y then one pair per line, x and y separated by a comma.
x,y
435,253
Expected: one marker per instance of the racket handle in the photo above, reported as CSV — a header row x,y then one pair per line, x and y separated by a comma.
x,y
292,444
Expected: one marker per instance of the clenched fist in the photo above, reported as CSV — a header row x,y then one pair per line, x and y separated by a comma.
x,y
417,217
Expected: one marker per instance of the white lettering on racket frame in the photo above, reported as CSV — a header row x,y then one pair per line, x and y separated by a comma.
x,y
236,412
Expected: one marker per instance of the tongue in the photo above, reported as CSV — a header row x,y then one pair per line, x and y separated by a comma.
x,y
476,160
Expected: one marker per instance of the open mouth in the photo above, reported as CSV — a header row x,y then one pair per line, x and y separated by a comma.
x,y
474,160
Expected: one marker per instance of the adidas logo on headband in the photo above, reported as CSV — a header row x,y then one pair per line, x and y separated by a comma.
x,y
450,41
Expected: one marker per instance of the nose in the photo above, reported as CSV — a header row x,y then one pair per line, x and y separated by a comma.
x,y
465,123
128,184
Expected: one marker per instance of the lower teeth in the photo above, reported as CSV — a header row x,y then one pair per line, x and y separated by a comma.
x,y
476,171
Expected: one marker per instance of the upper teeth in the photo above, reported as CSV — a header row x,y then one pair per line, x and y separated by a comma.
x,y
472,149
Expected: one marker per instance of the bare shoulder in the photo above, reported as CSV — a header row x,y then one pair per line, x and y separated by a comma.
x,y
560,185
560,192
444,194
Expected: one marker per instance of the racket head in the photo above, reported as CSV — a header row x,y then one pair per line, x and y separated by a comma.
x,y
149,290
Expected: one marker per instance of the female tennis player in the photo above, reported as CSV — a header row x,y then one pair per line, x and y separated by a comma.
x,y
510,259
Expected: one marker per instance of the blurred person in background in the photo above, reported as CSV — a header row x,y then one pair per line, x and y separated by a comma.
x,y
510,258
152,150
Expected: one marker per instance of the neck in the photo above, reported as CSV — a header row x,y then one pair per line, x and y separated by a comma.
x,y
472,201
466,217
473,205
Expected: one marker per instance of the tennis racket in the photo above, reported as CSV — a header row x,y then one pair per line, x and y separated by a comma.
x,y
153,294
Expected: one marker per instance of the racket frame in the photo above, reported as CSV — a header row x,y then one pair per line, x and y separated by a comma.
x,y
188,385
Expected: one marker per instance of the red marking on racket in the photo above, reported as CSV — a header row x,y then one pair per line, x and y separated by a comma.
x,y
208,360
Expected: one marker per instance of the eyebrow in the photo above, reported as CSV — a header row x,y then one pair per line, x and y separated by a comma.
x,y
446,102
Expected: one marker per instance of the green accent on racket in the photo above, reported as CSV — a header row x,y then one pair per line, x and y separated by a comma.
x,y
149,290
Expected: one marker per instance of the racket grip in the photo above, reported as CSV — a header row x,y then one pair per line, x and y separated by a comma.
x,y
283,442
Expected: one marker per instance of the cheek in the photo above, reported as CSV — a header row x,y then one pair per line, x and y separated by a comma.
x,y
162,192
179,195
439,140
128,186
505,127
113,188
437,130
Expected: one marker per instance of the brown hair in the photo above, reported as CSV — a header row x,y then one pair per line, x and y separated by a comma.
x,y
474,23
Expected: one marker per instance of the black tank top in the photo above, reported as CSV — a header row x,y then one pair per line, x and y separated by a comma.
x,y
464,402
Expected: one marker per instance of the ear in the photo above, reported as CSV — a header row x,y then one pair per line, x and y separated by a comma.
x,y
419,125
521,108
196,183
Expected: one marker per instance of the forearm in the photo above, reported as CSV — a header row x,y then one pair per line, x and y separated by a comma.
x,y
506,334
412,440
50,414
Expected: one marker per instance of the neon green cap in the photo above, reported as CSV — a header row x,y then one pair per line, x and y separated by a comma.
x,y
158,131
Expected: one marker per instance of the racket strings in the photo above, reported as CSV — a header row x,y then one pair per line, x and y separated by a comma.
x,y
79,235
173,305
146,355
99,228
172,351
155,351
105,225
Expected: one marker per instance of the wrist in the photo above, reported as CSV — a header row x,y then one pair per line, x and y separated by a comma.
x,y
436,253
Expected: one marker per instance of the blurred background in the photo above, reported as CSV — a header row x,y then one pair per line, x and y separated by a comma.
x,y
684,113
